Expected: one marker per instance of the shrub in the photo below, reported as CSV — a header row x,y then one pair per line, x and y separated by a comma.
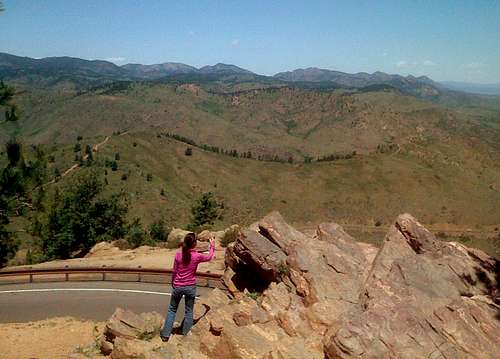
x,y
205,212
122,244
57,174
137,236
34,256
283,269
253,295
229,236
88,150
189,151
8,245
149,177
124,177
464,238
441,235
114,166
157,231
80,215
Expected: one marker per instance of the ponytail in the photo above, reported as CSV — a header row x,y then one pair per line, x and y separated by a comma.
x,y
187,245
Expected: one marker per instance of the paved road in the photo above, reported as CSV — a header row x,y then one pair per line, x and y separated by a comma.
x,y
84,300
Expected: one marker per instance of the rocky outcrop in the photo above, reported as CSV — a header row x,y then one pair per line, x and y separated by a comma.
x,y
323,295
125,334
422,298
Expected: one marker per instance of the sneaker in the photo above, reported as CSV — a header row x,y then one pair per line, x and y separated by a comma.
x,y
164,339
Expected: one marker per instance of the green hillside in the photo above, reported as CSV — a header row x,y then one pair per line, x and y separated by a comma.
x,y
286,121
360,190
442,164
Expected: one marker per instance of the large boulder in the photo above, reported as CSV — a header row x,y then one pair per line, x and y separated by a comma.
x,y
422,299
125,329
124,324
176,236
324,295
102,249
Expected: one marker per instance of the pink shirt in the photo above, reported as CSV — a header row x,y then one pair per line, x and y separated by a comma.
x,y
184,275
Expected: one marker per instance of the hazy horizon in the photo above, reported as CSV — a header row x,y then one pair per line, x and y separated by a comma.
x,y
448,41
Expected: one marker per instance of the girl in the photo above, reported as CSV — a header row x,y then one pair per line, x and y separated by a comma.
x,y
184,283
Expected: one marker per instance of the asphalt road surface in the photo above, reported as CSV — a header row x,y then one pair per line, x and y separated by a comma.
x,y
84,300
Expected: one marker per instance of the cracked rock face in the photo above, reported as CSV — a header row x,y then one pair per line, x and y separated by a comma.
x,y
422,298
324,295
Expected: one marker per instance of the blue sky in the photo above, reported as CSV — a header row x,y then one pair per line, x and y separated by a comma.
x,y
446,40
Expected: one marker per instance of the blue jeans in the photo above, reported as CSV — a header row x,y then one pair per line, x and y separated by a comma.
x,y
189,292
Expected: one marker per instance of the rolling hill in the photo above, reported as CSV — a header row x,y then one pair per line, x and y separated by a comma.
x,y
387,150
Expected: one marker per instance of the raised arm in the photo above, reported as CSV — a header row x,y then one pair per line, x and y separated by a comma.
x,y
208,257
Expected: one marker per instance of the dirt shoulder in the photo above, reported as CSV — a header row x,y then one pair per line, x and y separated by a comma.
x,y
47,339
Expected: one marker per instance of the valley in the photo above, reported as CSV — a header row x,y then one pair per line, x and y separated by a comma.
x,y
359,156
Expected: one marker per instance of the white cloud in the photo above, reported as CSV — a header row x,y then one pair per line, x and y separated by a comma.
x,y
474,66
235,42
414,64
116,59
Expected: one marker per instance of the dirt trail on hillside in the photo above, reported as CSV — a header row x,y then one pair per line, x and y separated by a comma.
x,y
95,148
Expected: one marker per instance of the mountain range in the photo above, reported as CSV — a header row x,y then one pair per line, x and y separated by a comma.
x,y
95,72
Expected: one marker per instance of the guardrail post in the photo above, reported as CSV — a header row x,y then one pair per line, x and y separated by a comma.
x,y
103,275
66,276
31,277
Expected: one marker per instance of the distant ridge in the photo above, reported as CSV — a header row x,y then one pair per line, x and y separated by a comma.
x,y
80,73
360,79
223,68
12,66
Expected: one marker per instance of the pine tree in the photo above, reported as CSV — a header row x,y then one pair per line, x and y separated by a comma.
x,y
205,212
80,216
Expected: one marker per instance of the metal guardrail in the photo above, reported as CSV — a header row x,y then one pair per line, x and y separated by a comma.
x,y
144,275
